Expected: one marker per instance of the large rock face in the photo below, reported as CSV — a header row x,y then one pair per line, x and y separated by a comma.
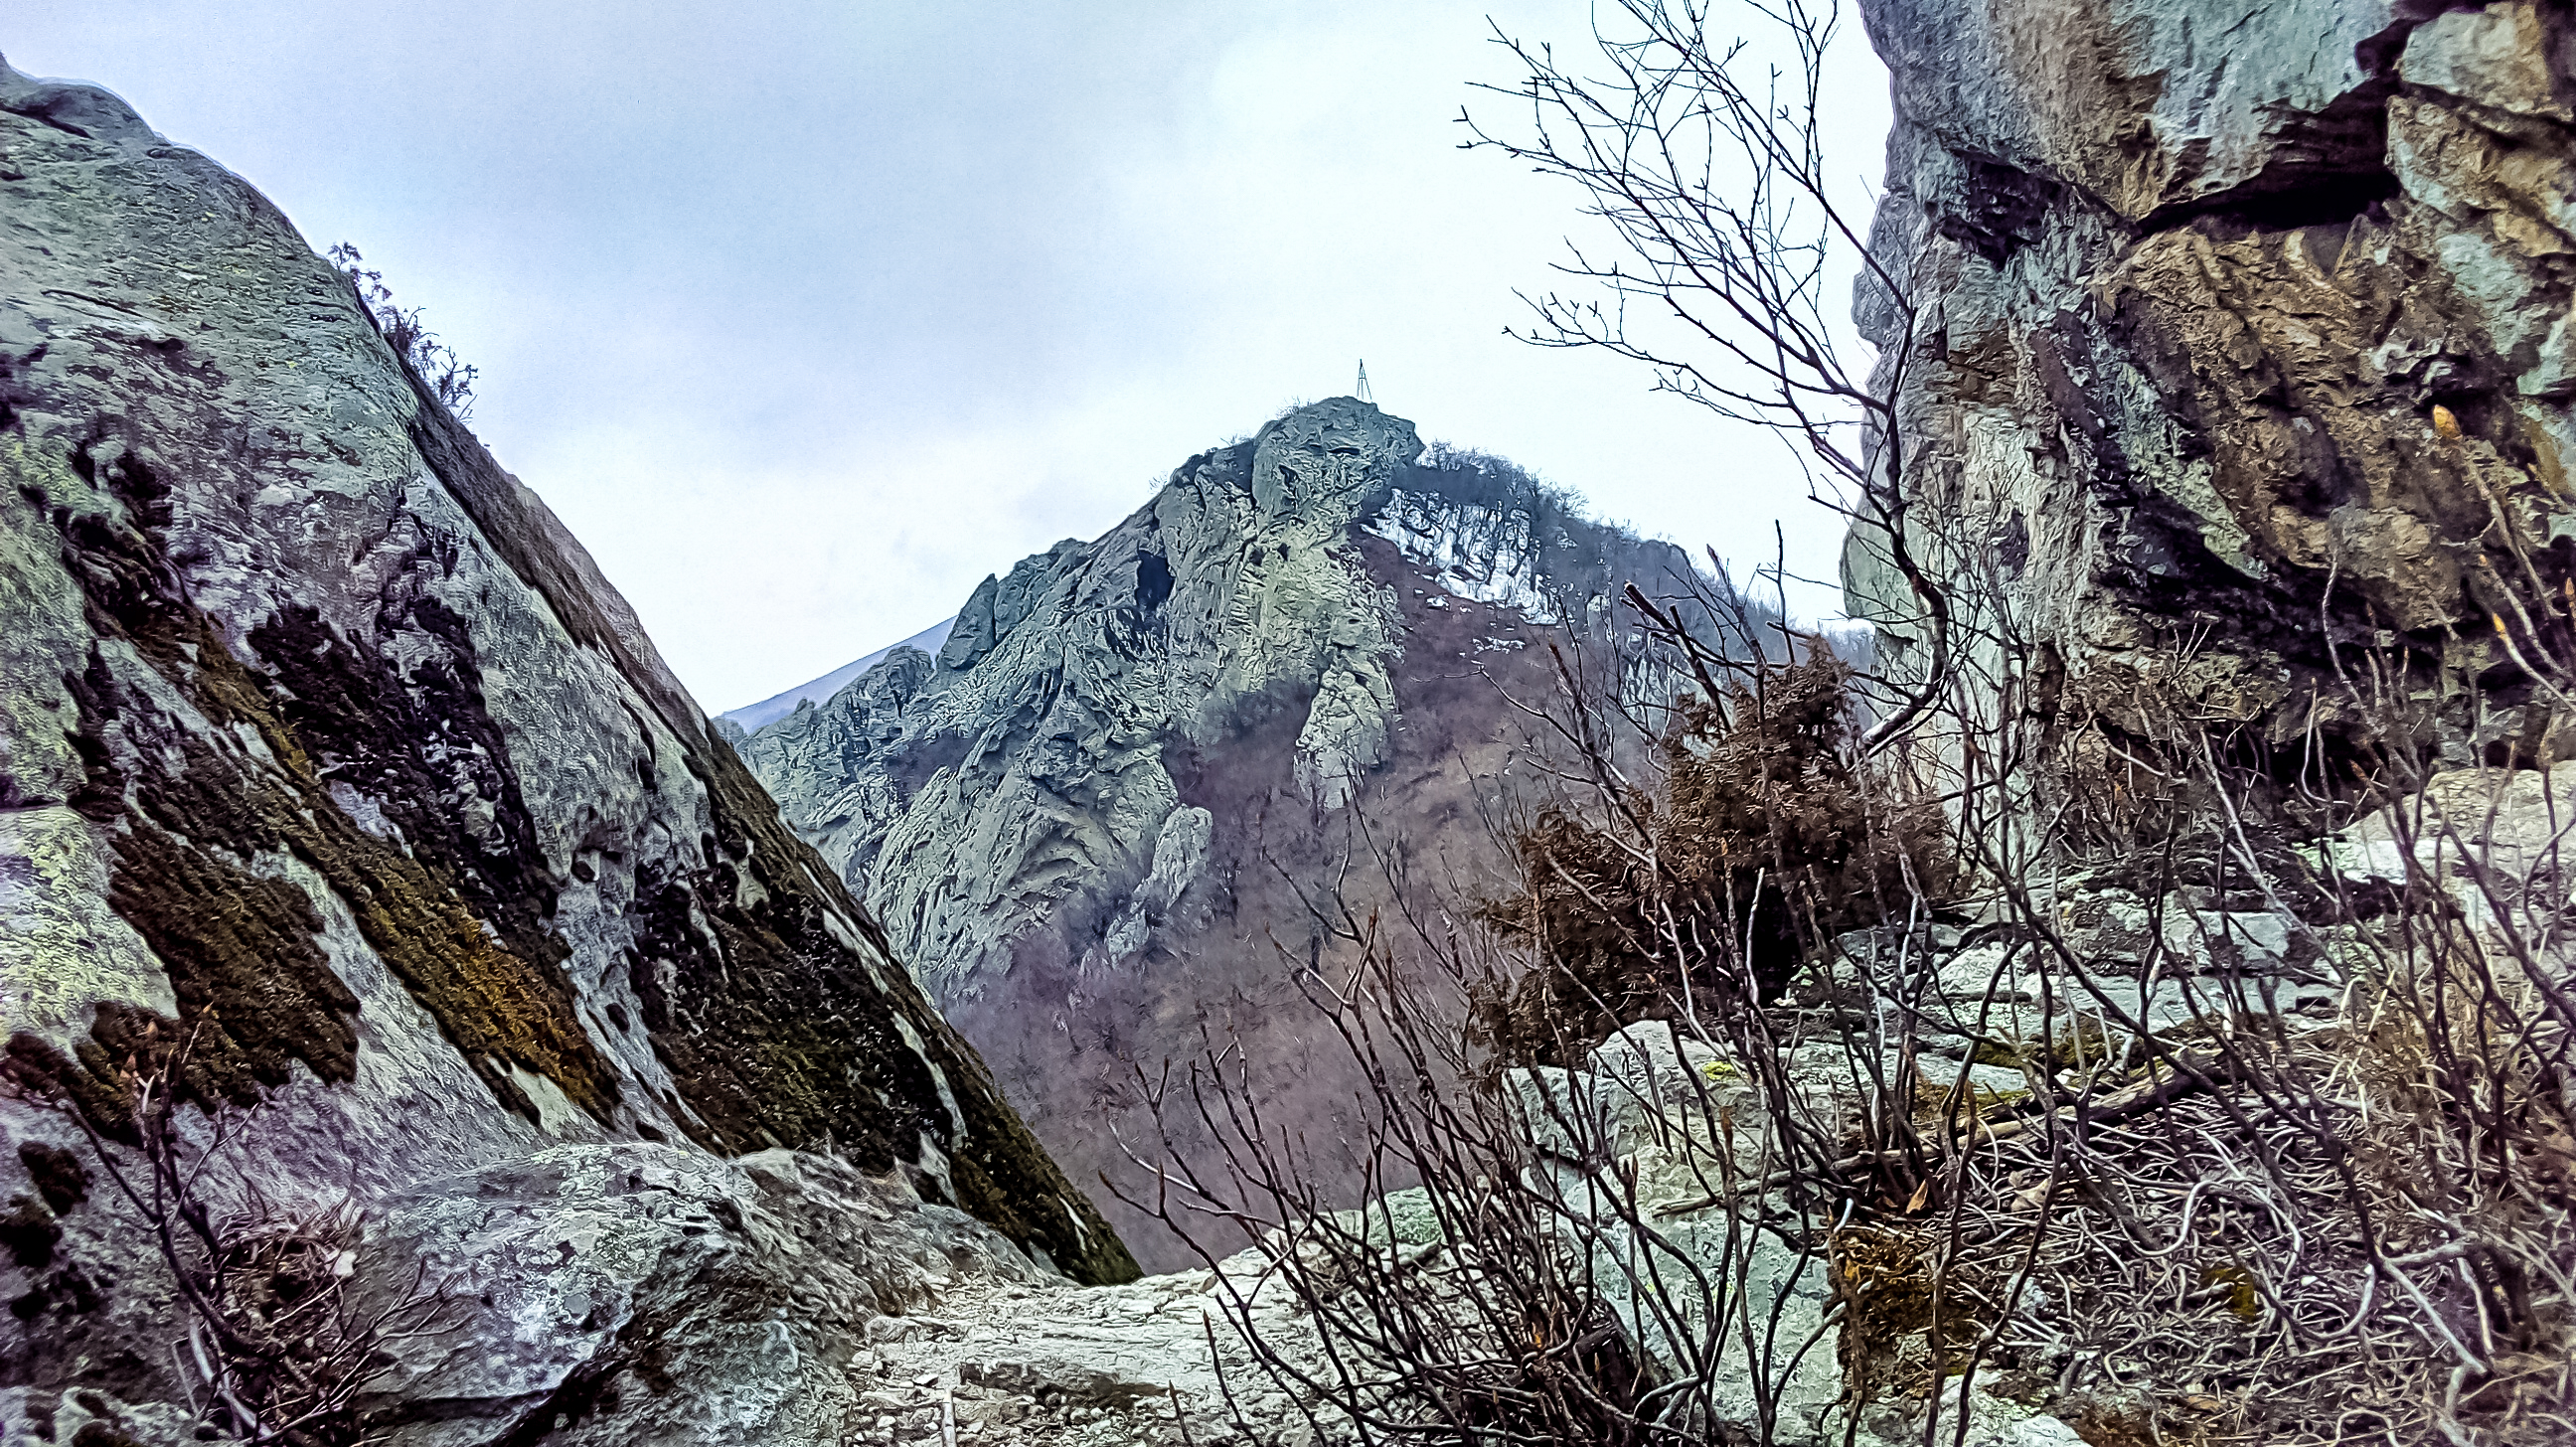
x,y
1108,812
2238,337
324,748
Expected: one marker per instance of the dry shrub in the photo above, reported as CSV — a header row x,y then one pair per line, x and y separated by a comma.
x,y
1885,1276
271,1341
446,376
1763,844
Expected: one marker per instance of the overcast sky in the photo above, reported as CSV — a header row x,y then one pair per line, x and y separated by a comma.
x,y
806,316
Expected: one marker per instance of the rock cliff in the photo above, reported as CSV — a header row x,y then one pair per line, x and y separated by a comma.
x,y
327,756
1099,818
2230,338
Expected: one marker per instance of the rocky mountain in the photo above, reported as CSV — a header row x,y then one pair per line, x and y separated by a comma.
x,y
2230,340
1102,820
344,802
358,854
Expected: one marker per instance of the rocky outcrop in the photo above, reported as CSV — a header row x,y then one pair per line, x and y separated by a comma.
x,y
1639,1154
2232,339
736,724
581,1284
1035,738
325,752
1080,820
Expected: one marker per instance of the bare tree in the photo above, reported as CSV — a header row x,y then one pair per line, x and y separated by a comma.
x,y
1718,191
1538,1284
2289,1155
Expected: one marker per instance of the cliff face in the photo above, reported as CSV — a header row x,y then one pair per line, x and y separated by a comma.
x,y
2238,337
1078,820
324,749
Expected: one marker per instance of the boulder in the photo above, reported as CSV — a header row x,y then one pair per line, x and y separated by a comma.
x,y
2511,825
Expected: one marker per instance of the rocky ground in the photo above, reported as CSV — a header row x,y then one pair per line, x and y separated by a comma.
x,y
997,1362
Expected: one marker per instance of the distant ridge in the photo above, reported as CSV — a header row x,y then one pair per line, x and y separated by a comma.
x,y
778,706
1085,819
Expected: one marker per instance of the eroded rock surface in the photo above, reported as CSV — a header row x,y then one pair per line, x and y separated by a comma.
x,y
588,1282
2233,338
325,749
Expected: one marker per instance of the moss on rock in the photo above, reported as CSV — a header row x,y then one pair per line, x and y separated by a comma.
x,y
190,813
776,1027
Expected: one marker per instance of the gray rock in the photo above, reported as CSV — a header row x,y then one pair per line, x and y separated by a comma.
x,y
2512,827
1985,1084
2205,940
1121,1364
2108,929
1058,1377
886,1330
641,1293
1398,1218
2162,282
1062,682
1666,1084
1636,1183
323,745
1562,1112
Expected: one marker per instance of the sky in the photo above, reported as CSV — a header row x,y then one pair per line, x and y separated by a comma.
x,y
806,316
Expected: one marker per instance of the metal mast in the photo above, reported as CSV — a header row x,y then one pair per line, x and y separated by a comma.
x,y
1363,392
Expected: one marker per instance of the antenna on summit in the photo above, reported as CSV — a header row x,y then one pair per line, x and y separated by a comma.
x,y
1363,392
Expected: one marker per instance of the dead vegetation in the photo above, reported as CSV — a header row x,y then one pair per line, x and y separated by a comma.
x,y
274,1338
1760,832
447,377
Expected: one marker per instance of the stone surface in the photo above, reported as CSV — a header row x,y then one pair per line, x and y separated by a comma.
x,y
2237,343
2495,840
643,1293
1633,1150
323,743
1654,1112
2515,823
1159,1361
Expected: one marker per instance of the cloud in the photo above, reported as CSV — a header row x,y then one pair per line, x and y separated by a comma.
x,y
808,316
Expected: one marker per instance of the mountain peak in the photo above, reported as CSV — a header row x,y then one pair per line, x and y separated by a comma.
x,y
1070,820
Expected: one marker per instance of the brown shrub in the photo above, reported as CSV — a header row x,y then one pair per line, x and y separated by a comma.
x,y
1762,845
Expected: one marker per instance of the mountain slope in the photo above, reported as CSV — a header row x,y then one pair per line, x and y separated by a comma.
x,y
778,705
1096,821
